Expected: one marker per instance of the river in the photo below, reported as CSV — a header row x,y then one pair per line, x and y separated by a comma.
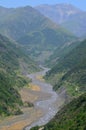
x,y
50,106
46,104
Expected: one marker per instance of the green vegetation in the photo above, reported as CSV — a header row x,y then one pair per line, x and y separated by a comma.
x,y
70,71
60,52
14,65
10,99
36,35
51,38
35,128
70,117
34,31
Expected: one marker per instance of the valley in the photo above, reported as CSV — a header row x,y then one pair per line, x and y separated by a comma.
x,y
46,104
43,67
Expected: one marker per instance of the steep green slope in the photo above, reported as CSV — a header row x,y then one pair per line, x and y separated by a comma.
x,y
14,64
70,117
13,56
10,99
45,41
70,71
19,21
34,31
60,52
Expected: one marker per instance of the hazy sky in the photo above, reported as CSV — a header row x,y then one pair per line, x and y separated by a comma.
x,y
16,3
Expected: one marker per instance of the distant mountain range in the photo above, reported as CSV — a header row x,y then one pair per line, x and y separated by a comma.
x,y
33,30
59,13
67,16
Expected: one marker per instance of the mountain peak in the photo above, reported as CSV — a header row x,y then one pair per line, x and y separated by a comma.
x,y
58,12
67,6
67,15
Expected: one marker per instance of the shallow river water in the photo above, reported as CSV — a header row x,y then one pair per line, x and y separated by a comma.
x,y
50,106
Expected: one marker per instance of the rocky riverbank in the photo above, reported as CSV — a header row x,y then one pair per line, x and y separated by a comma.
x,y
46,104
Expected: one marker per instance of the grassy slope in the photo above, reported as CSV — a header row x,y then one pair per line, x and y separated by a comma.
x,y
34,31
60,52
9,97
70,71
11,59
51,38
25,20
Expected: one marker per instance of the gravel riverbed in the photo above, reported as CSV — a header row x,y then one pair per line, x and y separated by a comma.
x,y
50,106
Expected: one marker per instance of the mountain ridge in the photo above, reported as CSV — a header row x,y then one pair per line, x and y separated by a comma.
x,y
14,65
34,31
52,9
67,15
70,71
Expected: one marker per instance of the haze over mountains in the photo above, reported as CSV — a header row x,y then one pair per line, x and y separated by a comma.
x,y
49,35
67,16
31,29
59,12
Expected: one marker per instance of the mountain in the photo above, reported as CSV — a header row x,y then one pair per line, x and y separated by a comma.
x,y
70,71
17,22
67,15
14,65
76,24
58,13
43,43
31,29
71,117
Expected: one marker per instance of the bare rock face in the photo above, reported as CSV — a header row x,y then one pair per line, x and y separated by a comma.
x,y
67,15
59,13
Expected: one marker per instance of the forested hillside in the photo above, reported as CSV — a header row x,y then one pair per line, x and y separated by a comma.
x,y
70,71
61,52
70,117
31,42
34,31
14,64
